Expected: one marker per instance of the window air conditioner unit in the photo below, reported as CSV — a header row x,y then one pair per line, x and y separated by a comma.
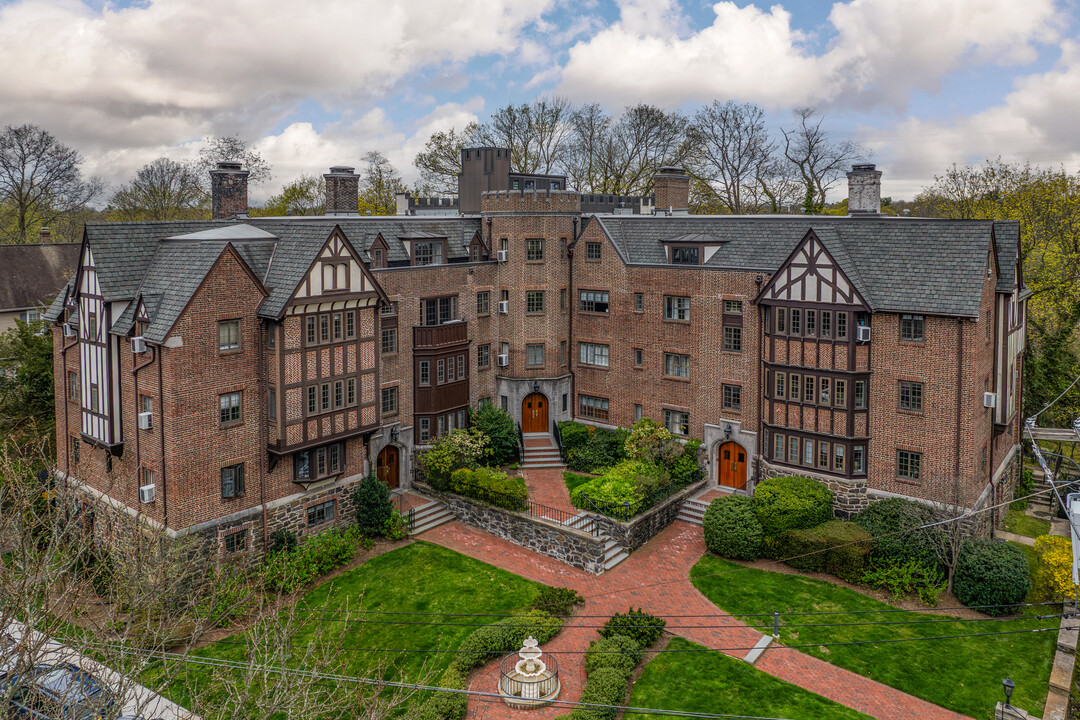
x,y
138,344
862,333
147,494
504,306
503,360
504,255
989,400
69,330
146,420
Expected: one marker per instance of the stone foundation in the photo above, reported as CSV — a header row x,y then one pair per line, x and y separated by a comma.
x,y
849,494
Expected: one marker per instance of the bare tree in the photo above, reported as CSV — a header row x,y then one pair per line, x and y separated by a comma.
x,y
40,181
953,496
592,127
232,148
538,135
819,160
731,151
644,139
162,190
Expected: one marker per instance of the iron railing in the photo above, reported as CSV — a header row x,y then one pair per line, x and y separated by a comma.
x,y
521,444
405,509
538,689
516,503
628,510
557,434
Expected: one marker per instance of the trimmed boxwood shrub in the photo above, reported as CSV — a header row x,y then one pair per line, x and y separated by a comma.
x,y
791,503
371,499
604,686
490,486
991,573
832,548
618,652
887,521
639,626
732,529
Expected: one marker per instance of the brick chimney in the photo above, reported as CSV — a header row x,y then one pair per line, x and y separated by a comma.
x,y
864,190
671,187
342,191
45,236
229,191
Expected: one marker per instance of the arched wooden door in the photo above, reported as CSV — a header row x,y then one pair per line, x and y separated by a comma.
x,y
732,459
534,413
386,466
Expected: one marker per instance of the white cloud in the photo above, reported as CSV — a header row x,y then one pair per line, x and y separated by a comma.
x,y
881,51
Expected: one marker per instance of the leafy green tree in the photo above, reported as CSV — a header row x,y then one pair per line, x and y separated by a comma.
x,y
27,410
379,186
306,195
500,430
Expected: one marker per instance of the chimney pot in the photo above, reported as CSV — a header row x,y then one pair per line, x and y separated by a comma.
x,y
342,191
228,190
864,190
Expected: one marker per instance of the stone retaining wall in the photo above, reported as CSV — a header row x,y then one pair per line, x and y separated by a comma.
x,y
849,495
573,547
634,533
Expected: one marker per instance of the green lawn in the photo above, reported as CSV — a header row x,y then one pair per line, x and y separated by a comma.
x,y
574,480
712,682
416,578
962,674
1019,522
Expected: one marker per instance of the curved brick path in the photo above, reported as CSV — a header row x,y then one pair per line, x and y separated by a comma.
x,y
669,556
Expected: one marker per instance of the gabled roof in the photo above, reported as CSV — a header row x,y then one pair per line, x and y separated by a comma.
x,y
32,275
897,264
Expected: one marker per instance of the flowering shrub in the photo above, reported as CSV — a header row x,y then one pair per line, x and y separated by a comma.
x,y
456,450
1053,579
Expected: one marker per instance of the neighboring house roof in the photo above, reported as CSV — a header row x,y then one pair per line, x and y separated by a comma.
x,y
32,275
897,264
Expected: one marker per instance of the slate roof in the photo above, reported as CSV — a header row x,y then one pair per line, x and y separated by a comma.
x,y
1007,234
31,275
898,264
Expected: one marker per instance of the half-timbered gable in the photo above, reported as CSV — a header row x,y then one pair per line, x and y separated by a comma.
x,y
99,394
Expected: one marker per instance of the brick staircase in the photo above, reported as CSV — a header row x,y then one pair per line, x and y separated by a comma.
x,y
693,511
429,516
540,452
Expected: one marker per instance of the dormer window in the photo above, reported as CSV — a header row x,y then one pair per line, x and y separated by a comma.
x,y
685,255
427,253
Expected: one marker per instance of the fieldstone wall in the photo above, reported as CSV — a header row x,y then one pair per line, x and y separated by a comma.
x,y
849,495
573,547
634,533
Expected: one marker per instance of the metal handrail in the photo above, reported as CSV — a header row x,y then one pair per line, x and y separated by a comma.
x,y
521,444
627,510
557,435
515,503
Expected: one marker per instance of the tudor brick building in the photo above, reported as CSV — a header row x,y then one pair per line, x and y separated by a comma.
x,y
239,375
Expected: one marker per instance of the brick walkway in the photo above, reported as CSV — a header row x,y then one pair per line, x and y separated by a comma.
x,y
655,578
546,486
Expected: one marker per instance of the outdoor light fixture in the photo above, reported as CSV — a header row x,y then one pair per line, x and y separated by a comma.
x,y
393,434
1009,685
727,431
536,387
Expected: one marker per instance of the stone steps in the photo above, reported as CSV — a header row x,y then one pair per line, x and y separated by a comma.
x,y
547,456
693,511
429,516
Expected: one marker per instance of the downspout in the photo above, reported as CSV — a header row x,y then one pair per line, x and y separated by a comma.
x,y
67,430
160,356
135,368
261,429
570,321
760,396
959,392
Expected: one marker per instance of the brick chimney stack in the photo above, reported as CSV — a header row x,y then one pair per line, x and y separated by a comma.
x,y
229,190
864,190
671,188
45,236
342,191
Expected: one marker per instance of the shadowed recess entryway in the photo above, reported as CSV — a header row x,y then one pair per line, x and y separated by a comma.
x,y
386,466
732,459
534,413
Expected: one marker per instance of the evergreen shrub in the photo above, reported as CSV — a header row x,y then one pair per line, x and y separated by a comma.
x,y
732,529
791,503
371,501
837,546
890,522
991,573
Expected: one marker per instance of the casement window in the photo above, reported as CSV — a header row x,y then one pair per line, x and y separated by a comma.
x,y
504,403
427,253
860,394
823,455
148,477
908,464
733,307
76,444
562,298
321,513
483,302
592,250
441,424
796,321
534,250
350,391
339,327
593,354
534,354
440,375
562,248
324,396
779,447
808,452
389,309
639,412
858,459
794,386
30,316
534,301
593,407
639,357
91,326
229,407
437,311
808,388
324,328
826,323
685,255
562,352
595,301
389,400
733,339
377,258
793,450
312,400
424,372
232,481
779,385
235,542
309,322
911,327
639,302
732,396
823,391
781,320
73,386
838,458
350,325
228,334
339,394
677,422
318,463
811,322
840,392
483,355
425,430
676,365
911,396
841,326
388,343
504,244
451,369
676,308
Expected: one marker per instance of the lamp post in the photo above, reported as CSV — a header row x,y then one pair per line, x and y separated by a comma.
x,y
1009,687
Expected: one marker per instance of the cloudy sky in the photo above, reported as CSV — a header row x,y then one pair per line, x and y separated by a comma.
x,y
923,83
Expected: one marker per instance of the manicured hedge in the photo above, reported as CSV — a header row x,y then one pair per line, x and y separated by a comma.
x,y
619,652
791,503
490,486
610,661
639,626
991,573
889,521
732,529
838,547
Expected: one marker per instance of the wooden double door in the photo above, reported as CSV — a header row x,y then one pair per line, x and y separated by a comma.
x,y
387,467
534,413
732,460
